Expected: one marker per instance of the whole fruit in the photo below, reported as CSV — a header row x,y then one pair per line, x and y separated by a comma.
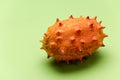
x,y
73,38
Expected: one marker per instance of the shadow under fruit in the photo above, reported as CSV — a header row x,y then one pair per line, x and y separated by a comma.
x,y
62,67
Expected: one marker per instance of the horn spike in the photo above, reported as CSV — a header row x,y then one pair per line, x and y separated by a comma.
x,y
94,38
58,33
77,31
67,61
102,27
91,26
89,52
101,44
72,39
95,17
60,24
82,41
87,17
59,38
41,41
100,22
80,59
62,50
71,17
53,44
79,49
42,47
105,35
48,56
57,20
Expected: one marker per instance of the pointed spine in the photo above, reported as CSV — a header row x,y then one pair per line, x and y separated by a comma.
x,y
42,47
95,17
81,17
62,50
94,38
101,44
59,38
80,59
60,24
100,22
79,49
46,35
67,61
105,35
91,26
53,44
59,32
77,32
87,17
71,17
57,20
82,41
72,39
41,41
101,27
50,55
89,52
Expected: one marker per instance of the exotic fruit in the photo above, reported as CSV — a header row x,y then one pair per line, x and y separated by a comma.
x,y
73,38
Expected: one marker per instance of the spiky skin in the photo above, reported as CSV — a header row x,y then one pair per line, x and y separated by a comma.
x,y
73,38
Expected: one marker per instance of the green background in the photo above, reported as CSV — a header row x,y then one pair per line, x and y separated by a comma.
x,y
23,23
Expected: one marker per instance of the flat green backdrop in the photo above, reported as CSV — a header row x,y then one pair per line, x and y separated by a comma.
x,y
23,23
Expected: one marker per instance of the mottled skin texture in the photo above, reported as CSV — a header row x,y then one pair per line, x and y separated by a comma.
x,y
73,38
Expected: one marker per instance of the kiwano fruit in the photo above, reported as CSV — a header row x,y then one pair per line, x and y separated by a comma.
x,y
73,39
